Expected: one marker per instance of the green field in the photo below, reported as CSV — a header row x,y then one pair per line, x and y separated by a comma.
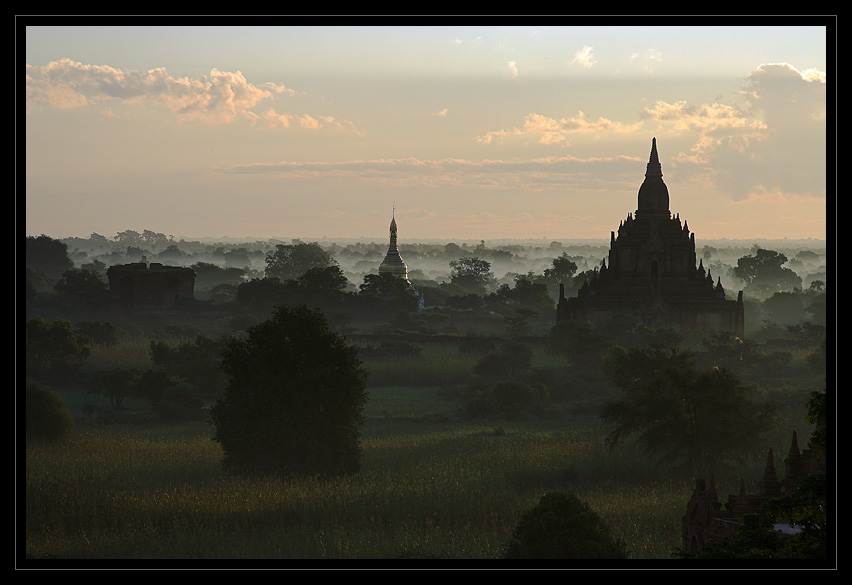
x,y
432,484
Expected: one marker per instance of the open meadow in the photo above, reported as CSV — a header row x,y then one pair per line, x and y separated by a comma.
x,y
432,485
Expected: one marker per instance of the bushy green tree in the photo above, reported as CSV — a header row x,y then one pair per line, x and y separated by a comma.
x,y
294,399
471,274
196,362
686,416
54,345
47,256
290,261
115,384
80,284
561,526
47,415
764,271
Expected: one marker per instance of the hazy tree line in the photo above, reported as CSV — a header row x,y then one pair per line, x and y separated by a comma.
x,y
67,306
263,343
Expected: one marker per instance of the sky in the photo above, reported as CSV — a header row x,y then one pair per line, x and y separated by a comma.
x,y
459,132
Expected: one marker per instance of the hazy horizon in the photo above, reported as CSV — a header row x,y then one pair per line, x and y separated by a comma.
x,y
462,132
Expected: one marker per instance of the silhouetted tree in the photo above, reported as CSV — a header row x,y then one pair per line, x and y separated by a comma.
x,y
290,261
683,415
47,415
262,294
195,361
80,284
294,400
54,345
115,384
561,526
47,256
764,270
471,274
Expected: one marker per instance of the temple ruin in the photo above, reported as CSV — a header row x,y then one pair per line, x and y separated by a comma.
x,y
140,286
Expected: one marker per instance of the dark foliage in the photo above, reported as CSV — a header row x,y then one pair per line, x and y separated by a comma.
x,y
294,400
561,526
47,415
687,417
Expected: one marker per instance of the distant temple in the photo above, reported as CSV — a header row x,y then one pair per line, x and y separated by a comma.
x,y
138,285
393,263
651,272
706,521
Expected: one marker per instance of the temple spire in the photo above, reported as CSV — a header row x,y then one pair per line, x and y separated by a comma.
x,y
654,168
653,194
393,262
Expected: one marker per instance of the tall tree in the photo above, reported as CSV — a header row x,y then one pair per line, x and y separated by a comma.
x,y
54,345
683,415
47,256
765,270
472,274
290,261
294,399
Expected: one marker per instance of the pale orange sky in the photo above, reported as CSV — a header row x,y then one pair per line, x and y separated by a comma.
x,y
470,132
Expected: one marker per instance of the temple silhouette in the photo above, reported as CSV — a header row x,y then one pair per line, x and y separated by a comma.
x,y
706,520
140,286
650,273
393,262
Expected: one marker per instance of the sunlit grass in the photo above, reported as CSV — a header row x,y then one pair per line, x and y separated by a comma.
x,y
449,491
130,353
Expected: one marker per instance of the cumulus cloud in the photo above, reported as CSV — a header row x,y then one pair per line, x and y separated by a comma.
x,y
584,57
771,142
546,130
220,97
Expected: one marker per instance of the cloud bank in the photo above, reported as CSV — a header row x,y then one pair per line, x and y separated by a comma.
x,y
218,98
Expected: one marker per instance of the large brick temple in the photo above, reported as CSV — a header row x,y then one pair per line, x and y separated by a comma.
x,y
651,273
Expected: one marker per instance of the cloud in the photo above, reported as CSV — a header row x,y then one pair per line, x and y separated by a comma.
x,y
774,141
541,174
546,130
584,57
440,113
218,98
647,62
513,68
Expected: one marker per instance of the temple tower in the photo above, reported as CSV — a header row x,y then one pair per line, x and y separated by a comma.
x,y
393,263
650,272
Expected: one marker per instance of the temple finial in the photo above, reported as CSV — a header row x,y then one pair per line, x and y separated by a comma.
x,y
654,168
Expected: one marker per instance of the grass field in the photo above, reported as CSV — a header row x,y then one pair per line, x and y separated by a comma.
x,y
432,486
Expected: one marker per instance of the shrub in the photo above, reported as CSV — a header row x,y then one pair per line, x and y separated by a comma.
x,y
47,416
561,526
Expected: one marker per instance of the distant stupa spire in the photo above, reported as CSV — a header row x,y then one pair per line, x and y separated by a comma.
x,y
393,263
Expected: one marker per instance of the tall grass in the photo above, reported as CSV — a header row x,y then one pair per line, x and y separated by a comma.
x,y
427,491
428,487
435,365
